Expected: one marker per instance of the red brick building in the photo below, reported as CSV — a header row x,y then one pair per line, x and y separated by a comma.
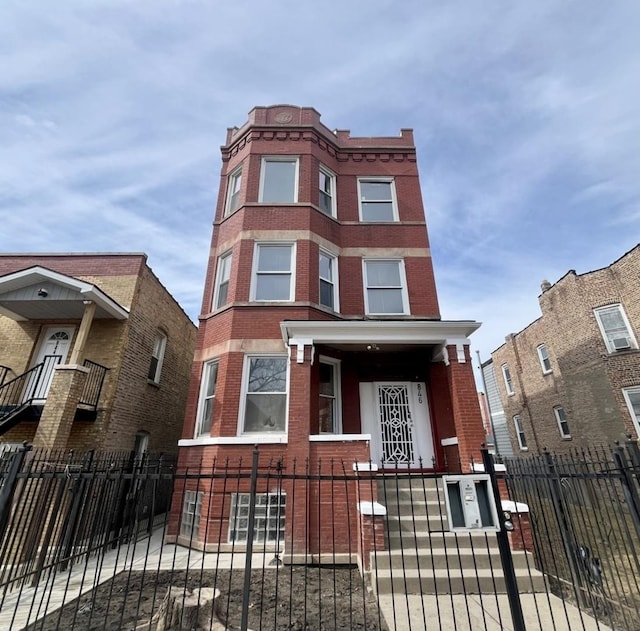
x,y
320,335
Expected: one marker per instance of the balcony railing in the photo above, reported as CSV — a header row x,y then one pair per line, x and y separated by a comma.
x,y
93,385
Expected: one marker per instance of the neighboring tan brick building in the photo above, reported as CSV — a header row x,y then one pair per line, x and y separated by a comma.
x,y
572,377
94,353
320,335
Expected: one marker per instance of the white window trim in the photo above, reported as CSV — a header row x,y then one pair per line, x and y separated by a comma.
x,y
332,176
283,158
202,396
403,281
394,199
216,292
336,291
159,357
254,270
635,419
545,371
231,179
243,396
632,340
337,377
556,408
517,425
508,383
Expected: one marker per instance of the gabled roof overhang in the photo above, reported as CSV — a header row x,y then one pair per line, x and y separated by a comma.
x,y
43,302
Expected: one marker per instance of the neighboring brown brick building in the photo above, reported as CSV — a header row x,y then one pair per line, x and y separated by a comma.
x,y
572,377
320,335
94,353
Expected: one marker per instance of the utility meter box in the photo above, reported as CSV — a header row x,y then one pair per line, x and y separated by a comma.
x,y
470,503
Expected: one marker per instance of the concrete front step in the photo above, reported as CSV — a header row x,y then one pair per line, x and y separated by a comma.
x,y
397,539
447,558
417,523
450,581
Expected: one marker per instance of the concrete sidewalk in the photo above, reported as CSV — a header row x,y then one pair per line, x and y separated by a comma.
x,y
487,612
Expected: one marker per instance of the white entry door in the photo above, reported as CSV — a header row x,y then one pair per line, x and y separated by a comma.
x,y
53,350
396,415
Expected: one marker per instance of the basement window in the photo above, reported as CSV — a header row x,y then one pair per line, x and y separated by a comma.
x,y
268,526
191,509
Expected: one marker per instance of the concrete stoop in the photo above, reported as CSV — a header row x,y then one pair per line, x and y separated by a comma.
x,y
423,557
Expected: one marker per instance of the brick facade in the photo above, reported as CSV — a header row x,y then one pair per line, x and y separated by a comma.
x,y
431,368
128,403
586,378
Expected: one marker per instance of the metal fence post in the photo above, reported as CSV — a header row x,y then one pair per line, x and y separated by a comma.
x,y
629,486
246,592
511,583
9,486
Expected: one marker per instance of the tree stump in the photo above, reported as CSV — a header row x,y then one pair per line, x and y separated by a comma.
x,y
182,610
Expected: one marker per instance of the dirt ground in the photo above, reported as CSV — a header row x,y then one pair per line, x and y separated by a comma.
x,y
292,598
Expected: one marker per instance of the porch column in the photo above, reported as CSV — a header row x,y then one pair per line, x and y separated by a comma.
x,y
60,407
464,404
298,529
83,333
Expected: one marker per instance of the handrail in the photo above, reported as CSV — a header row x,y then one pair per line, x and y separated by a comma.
x,y
4,371
93,384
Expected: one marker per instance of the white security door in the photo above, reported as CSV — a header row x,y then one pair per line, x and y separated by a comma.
x,y
396,416
53,351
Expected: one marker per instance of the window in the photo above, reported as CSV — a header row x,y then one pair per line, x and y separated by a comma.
x,y
563,424
329,391
377,200
269,517
328,281
385,287
221,294
233,191
266,394
279,180
157,355
207,398
191,509
543,356
326,198
615,328
273,274
506,374
632,397
520,435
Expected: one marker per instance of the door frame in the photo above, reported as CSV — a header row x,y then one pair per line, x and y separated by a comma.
x,y
40,354
419,408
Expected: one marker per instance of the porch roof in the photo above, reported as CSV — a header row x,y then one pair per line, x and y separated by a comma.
x,y
397,333
38,293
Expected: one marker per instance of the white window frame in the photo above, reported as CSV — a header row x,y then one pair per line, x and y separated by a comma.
x,y
508,379
234,179
291,272
520,433
332,180
244,392
394,199
227,256
190,519
558,412
296,186
626,392
333,281
337,395
403,287
605,336
157,354
206,372
543,356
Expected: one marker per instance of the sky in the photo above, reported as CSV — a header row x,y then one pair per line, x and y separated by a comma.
x,y
526,118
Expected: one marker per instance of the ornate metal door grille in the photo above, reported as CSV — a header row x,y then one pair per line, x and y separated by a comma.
x,y
396,425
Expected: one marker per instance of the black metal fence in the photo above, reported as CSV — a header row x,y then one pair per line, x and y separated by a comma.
x,y
118,541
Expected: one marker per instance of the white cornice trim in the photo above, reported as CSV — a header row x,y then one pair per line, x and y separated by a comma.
x,y
382,331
